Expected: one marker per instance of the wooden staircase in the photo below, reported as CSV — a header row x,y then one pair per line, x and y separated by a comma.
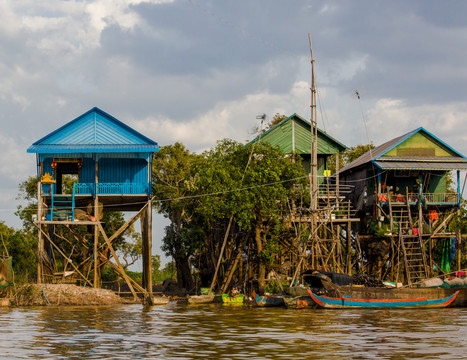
x,y
412,244
62,207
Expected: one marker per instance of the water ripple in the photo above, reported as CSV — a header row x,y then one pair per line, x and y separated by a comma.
x,y
227,332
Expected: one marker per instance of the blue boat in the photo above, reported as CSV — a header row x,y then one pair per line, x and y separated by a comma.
x,y
268,300
348,303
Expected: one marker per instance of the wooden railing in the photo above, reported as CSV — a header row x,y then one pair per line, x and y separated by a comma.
x,y
413,198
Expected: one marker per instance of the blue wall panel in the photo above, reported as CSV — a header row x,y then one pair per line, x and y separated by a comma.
x,y
123,171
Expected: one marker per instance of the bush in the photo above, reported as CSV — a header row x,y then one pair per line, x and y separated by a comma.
x,y
273,287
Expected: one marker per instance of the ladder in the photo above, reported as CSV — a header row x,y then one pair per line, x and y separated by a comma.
x,y
412,245
414,258
62,206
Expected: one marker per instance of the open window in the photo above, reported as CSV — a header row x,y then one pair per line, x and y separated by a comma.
x,y
67,173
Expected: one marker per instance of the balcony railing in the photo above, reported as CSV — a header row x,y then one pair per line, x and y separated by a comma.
x,y
102,189
116,188
413,198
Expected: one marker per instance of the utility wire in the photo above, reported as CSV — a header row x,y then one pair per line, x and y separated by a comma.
x,y
364,123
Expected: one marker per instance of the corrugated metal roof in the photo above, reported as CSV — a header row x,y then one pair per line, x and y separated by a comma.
x,y
281,135
423,158
377,154
421,165
66,149
94,131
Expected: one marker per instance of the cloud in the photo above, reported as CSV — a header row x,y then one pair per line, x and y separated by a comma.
x,y
68,25
197,71
229,119
390,118
15,165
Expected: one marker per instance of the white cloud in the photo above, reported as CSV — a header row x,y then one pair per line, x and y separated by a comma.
x,y
232,119
15,164
70,25
390,118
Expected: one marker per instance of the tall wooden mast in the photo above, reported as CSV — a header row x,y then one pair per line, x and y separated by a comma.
x,y
314,149
314,138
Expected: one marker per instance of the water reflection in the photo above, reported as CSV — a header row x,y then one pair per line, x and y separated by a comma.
x,y
216,331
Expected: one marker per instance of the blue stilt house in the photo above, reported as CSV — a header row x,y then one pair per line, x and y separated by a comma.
x,y
93,162
103,156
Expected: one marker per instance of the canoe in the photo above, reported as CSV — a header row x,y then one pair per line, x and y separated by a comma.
x,y
201,299
378,293
298,302
349,303
228,299
268,300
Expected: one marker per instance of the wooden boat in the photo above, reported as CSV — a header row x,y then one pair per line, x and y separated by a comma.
x,y
268,300
201,299
228,299
299,302
378,293
349,303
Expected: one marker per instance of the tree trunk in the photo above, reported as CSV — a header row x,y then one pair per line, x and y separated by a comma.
x,y
261,267
184,278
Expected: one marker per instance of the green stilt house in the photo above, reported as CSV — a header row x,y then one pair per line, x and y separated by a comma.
x,y
333,215
404,189
293,134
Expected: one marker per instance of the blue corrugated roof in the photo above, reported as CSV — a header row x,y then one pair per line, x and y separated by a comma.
x,y
94,132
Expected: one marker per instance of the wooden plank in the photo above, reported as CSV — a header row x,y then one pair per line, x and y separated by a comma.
x,y
119,265
129,222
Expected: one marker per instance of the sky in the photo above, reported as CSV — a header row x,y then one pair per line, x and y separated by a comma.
x,y
197,71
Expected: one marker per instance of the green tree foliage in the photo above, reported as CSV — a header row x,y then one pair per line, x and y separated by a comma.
x,y
277,118
354,152
21,246
250,183
173,181
348,156
28,195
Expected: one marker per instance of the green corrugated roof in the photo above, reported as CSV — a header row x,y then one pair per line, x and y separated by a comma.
x,y
294,134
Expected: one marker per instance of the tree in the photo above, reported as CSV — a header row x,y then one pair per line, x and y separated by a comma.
x,y
349,155
277,118
173,180
199,193
253,183
354,152
21,246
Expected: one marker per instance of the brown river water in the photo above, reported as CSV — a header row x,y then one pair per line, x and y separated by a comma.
x,y
218,331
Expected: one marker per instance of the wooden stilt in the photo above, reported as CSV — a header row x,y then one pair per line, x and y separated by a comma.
x,y
119,265
146,232
96,243
40,242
